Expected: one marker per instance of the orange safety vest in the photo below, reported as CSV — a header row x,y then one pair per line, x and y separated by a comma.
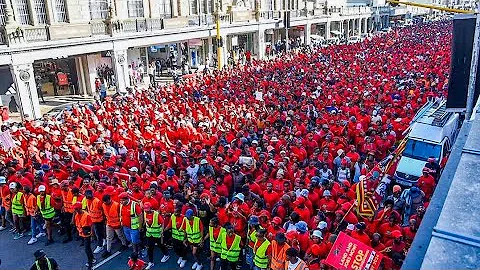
x,y
6,199
112,214
301,266
94,208
30,204
67,198
80,222
278,256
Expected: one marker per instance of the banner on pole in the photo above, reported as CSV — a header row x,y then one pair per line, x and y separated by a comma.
x,y
349,253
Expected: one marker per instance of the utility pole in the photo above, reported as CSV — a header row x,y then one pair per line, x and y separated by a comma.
x,y
473,69
286,22
219,38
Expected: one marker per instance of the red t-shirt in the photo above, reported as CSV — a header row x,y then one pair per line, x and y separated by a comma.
x,y
138,265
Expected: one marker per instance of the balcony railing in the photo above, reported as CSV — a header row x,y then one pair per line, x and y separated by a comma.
x,y
98,28
34,33
30,34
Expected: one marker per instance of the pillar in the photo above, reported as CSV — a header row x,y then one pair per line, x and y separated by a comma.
x,y
359,26
307,32
120,66
328,29
26,97
261,43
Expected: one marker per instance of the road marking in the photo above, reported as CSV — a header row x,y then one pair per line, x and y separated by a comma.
x,y
106,260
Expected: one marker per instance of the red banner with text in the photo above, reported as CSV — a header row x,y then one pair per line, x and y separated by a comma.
x,y
349,253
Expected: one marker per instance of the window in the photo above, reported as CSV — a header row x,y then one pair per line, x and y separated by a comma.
x,y
135,8
60,11
165,9
269,5
193,7
40,11
23,12
421,150
98,9
209,6
3,15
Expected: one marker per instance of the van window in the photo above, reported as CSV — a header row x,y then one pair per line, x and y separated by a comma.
x,y
421,150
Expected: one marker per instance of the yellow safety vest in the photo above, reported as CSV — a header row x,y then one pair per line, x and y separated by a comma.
x,y
134,223
193,234
215,243
233,253
17,206
48,211
154,230
177,233
261,260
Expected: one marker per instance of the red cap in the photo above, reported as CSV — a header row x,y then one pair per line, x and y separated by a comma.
x,y
123,195
277,221
77,205
96,168
346,183
397,234
102,185
147,206
291,235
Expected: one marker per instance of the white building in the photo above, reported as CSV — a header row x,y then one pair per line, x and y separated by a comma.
x,y
86,39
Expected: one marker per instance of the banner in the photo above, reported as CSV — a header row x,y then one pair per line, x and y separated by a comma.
x,y
6,140
349,253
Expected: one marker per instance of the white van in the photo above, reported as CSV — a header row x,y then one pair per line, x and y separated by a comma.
x,y
433,132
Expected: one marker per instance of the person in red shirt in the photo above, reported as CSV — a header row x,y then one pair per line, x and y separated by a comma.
x,y
360,234
127,205
261,238
134,263
301,209
386,229
150,214
274,228
426,183
326,203
270,197
410,231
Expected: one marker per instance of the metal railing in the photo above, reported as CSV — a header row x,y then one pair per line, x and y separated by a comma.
x,y
154,24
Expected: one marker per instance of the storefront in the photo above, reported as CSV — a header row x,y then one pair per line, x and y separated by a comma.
x,y
56,77
100,66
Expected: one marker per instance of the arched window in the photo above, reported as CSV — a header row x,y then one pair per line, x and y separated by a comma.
x,y
23,12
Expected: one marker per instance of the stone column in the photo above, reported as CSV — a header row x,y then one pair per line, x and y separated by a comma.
x,y
26,88
260,41
307,32
120,66
328,29
210,49
359,26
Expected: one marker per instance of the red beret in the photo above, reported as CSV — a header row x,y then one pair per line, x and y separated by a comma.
x,y
123,195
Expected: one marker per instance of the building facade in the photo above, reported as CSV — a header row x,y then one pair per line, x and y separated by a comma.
x,y
60,47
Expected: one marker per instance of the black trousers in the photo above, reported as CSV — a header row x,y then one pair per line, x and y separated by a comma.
x,y
151,241
179,248
67,223
99,229
87,241
227,265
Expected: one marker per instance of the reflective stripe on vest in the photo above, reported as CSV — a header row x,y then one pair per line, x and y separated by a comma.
x,y
215,244
261,260
17,206
49,265
133,216
193,234
233,253
278,257
46,209
177,233
154,230
113,217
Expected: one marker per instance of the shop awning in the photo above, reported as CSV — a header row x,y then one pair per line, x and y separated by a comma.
x,y
336,32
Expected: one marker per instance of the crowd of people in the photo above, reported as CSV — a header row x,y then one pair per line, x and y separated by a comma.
x,y
254,165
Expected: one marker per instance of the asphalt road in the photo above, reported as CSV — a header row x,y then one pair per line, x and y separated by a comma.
x,y
16,254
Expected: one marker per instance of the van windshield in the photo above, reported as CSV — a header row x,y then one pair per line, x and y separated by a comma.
x,y
421,150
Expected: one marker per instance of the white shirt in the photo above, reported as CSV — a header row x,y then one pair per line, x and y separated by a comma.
x,y
292,266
